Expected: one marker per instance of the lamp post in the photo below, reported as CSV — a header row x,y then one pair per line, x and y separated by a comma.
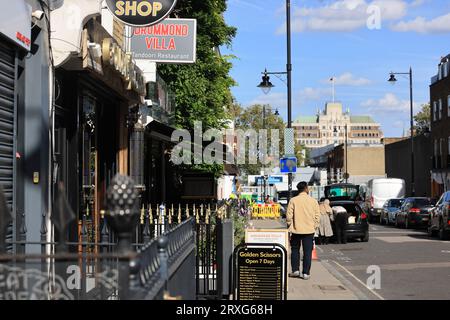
x,y
266,85
346,153
393,80
276,113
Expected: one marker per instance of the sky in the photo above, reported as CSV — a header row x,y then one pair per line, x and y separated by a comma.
x,y
358,42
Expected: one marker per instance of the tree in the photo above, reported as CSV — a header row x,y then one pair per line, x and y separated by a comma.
x,y
202,90
422,119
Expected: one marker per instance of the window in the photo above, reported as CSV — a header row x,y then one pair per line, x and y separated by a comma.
x,y
440,109
434,110
448,106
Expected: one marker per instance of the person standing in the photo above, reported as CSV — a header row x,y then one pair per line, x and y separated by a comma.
x,y
325,229
302,218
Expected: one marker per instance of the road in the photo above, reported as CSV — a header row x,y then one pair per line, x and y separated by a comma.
x,y
413,266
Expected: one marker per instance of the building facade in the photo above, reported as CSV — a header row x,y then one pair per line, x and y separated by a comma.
x,y
440,128
362,162
332,125
398,163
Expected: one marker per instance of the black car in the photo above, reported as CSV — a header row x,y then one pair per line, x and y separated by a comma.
x,y
440,218
415,211
347,196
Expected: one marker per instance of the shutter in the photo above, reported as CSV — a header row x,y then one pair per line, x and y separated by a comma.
x,y
7,121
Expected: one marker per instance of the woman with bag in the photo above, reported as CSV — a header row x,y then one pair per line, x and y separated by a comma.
x,y
325,229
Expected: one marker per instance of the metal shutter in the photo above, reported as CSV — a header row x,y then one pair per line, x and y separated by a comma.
x,y
7,121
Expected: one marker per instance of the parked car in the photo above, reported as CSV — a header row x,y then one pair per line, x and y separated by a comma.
x,y
390,210
378,192
415,211
440,218
347,196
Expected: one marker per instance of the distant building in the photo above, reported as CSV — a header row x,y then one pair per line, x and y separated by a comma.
x,y
440,128
365,162
398,163
328,127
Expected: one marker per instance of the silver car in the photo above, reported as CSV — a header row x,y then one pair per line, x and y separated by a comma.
x,y
390,210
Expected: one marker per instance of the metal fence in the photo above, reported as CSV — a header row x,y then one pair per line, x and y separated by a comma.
x,y
152,252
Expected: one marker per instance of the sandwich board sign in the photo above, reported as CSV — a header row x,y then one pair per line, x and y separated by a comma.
x,y
260,272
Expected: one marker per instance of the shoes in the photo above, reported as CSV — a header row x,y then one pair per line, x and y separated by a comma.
x,y
295,274
306,276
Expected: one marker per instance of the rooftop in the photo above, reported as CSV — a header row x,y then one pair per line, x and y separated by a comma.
x,y
306,119
361,119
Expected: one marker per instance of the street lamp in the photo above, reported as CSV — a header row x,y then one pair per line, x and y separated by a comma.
x,y
393,80
276,113
266,85
346,176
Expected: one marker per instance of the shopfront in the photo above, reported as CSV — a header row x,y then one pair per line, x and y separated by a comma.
x,y
15,43
94,122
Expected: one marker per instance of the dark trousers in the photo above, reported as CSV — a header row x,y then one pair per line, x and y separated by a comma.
x,y
341,228
297,241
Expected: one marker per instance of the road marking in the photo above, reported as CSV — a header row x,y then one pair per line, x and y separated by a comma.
x,y
405,266
407,239
362,283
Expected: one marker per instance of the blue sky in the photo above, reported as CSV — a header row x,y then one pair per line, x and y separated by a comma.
x,y
332,39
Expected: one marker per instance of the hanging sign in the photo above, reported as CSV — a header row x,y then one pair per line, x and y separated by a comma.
x,y
170,41
140,13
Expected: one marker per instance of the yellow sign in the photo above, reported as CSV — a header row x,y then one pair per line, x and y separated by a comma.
x,y
266,211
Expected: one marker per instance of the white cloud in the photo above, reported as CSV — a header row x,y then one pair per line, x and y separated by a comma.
x,y
312,94
348,79
421,25
388,104
345,15
275,99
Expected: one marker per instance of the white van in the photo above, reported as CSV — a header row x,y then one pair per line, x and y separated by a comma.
x,y
379,191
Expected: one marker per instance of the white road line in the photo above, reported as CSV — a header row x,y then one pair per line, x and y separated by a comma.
x,y
362,283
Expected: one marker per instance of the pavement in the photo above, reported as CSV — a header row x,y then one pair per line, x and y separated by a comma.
x,y
325,283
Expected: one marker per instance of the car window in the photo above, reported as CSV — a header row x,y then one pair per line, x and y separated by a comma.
x,y
422,202
447,197
396,203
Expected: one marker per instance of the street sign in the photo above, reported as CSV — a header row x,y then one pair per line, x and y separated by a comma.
x,y
170,41
260,272
270,180
288,165
140,13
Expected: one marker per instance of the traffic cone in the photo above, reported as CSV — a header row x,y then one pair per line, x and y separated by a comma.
x,y
314,252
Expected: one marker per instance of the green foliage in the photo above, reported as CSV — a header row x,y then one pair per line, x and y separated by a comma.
x,y
422,119
202,90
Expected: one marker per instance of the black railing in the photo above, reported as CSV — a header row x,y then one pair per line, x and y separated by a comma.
x,y
148,253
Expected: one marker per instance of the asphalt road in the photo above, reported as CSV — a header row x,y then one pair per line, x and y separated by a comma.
x,y
412,265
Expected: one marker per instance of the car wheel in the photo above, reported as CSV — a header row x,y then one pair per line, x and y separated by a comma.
x,y
443,235
406,223
430,231
381,219
396,223
366,237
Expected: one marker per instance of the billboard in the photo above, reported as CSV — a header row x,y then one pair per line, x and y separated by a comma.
x,y
171,41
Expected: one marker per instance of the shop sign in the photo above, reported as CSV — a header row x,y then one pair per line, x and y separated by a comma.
x,y
140,12
15,23
171,41
123,63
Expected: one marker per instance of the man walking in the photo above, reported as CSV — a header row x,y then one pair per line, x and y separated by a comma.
x,y
302,218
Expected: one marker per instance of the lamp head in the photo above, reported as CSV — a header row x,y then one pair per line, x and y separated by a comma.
x,y
276,112
265,84
392,79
